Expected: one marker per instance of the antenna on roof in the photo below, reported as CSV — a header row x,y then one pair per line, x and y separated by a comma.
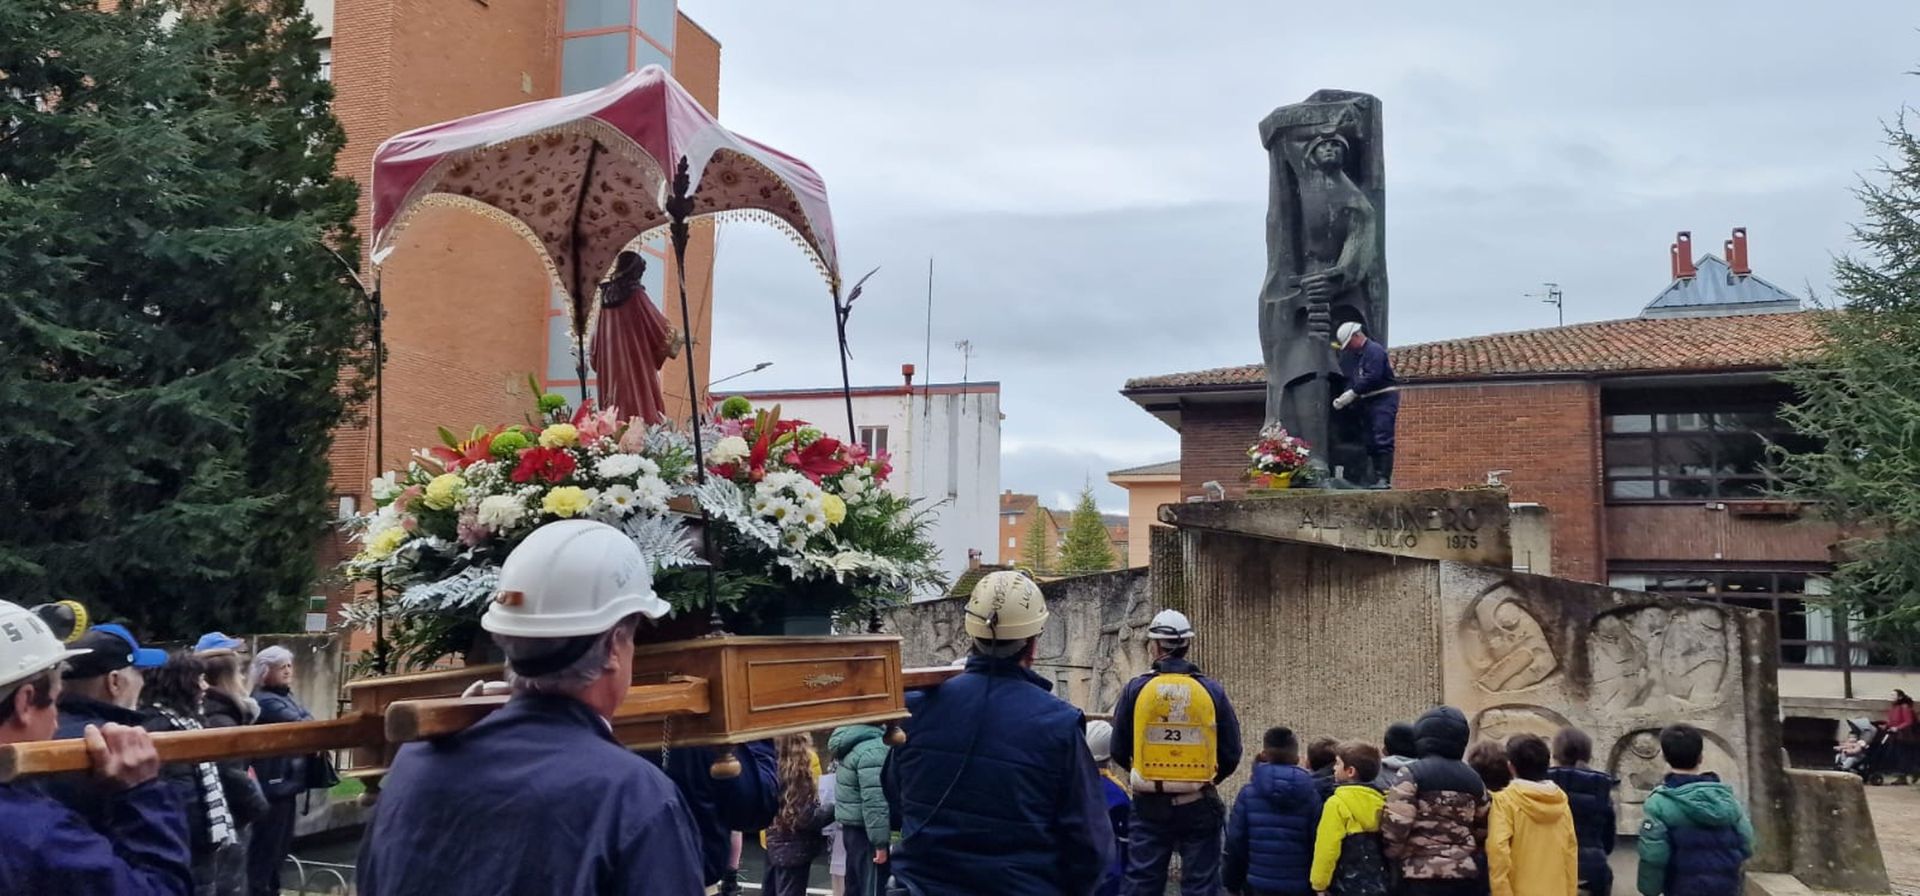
x,y
1553,296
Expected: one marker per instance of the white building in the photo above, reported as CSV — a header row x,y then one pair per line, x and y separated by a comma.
x,y
944,439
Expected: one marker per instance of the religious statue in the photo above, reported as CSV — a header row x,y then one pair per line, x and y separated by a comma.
x,y
631,340
1325,261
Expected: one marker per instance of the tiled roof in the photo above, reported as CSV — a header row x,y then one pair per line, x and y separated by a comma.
x,y
1163,468
1634,345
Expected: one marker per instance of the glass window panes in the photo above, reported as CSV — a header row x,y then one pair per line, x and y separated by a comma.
x,y
657,18
1629,457
1695,454
1631,489
645,54
1811,633
590,62
1630,423
584,15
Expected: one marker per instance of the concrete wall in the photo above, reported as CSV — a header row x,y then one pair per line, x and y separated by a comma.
x,y
1094,642
945,449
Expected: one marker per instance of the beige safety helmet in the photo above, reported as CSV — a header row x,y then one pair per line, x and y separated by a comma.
x,y
1006,606
570,579
1100,740
27,645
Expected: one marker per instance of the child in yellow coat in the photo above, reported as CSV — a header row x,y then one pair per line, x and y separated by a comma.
x,y
1347,857
1531,846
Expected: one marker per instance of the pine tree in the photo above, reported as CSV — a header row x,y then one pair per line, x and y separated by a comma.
x,y
1087,547
180,335
1036,549
1861,401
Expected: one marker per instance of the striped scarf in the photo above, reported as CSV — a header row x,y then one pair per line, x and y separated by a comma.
x,y
220,830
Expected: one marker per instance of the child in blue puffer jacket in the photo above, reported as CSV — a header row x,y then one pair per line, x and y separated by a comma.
x,y
1269,850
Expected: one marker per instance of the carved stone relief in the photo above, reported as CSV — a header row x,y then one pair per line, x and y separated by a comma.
x,y
1659,661
1504,643
1501,722
1639,766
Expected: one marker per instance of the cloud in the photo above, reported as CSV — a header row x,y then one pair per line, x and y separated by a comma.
x,y
1088,182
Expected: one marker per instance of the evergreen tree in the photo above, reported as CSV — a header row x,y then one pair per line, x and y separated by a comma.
x,y
179,335
1036,549
1087,547
1861,400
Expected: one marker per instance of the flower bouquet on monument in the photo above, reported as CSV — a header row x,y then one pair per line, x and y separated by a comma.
x,y
1279,459
808,531
802,525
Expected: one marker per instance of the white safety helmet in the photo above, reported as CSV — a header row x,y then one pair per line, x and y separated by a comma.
x,y
1100,740
1344,335
1006,606
570,579
1170,625
27,645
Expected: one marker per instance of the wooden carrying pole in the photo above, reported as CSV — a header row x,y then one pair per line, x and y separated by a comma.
x,y
402,721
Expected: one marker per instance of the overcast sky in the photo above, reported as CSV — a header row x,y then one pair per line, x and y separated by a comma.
x,y
1088,180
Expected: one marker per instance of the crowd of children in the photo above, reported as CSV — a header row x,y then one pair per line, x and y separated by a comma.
x,y
1433,814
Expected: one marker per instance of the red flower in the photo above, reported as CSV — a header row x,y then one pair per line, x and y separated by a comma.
x,y
818,460
551,464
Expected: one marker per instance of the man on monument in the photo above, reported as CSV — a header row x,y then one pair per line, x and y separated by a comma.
x,y
996,789
1179,737
538,797
1370,382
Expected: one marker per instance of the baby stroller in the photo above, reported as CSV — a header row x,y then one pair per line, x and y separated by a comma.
x,y
1870,761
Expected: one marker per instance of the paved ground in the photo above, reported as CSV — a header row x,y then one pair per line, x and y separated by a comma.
x,y
1896,818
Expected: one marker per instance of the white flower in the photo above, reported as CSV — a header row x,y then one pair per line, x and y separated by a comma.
x,y
499,512
380,521
776,508
650,493
618,466
617,502
783,480
729,450
385,488
813,517
795,539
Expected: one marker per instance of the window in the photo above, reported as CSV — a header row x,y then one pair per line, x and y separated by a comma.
x,y
326,63
1811,633
874,439
586,15
1694,454
593,61
1013,542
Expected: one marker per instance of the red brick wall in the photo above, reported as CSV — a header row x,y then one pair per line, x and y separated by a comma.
x,y
1450,436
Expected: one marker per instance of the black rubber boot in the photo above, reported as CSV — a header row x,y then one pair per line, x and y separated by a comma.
x,y
730,882
1382,469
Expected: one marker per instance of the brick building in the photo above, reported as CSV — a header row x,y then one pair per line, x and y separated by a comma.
x,y
1016,515
1643,439
470,311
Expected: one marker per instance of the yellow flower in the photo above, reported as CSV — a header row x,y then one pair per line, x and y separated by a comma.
x,y
559,435
835,509
384,543
566,501
444,491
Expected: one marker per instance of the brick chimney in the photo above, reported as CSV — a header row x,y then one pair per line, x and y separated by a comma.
x,y
1681,254
973,558
906,371
1737,253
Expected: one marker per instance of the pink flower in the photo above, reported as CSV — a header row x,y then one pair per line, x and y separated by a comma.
x,y
594,426
406,497
472,533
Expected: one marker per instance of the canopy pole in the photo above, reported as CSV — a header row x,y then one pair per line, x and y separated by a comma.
x,y
578,289
679,207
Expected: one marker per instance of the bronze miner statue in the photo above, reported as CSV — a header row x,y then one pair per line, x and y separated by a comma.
x,y
1325,262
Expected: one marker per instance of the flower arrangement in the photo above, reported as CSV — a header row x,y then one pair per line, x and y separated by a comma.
x,y
794,518
1278,457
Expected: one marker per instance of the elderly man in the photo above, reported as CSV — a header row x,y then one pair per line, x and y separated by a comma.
x,y
539,797
137,846
996,789
101,686
1370,381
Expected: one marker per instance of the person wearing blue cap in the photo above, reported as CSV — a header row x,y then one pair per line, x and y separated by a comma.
x,y
212,641
100,687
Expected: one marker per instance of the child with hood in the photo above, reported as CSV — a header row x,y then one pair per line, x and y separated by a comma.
x,y
1531,848
860,804
1696,834
1398,745
1436,814
1270,837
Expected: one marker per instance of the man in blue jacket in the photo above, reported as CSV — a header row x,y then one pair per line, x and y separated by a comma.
x,y
1370,381
1185,816
98,688
539,797
138,846
995,788
745,803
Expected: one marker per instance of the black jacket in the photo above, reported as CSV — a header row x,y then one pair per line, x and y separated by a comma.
x,y
281,777
244,796
1590,796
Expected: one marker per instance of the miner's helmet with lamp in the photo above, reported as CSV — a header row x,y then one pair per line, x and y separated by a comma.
x,y
28,646
1005,608
572,579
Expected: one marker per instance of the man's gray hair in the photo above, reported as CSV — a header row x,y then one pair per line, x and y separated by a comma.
x,y
576,676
